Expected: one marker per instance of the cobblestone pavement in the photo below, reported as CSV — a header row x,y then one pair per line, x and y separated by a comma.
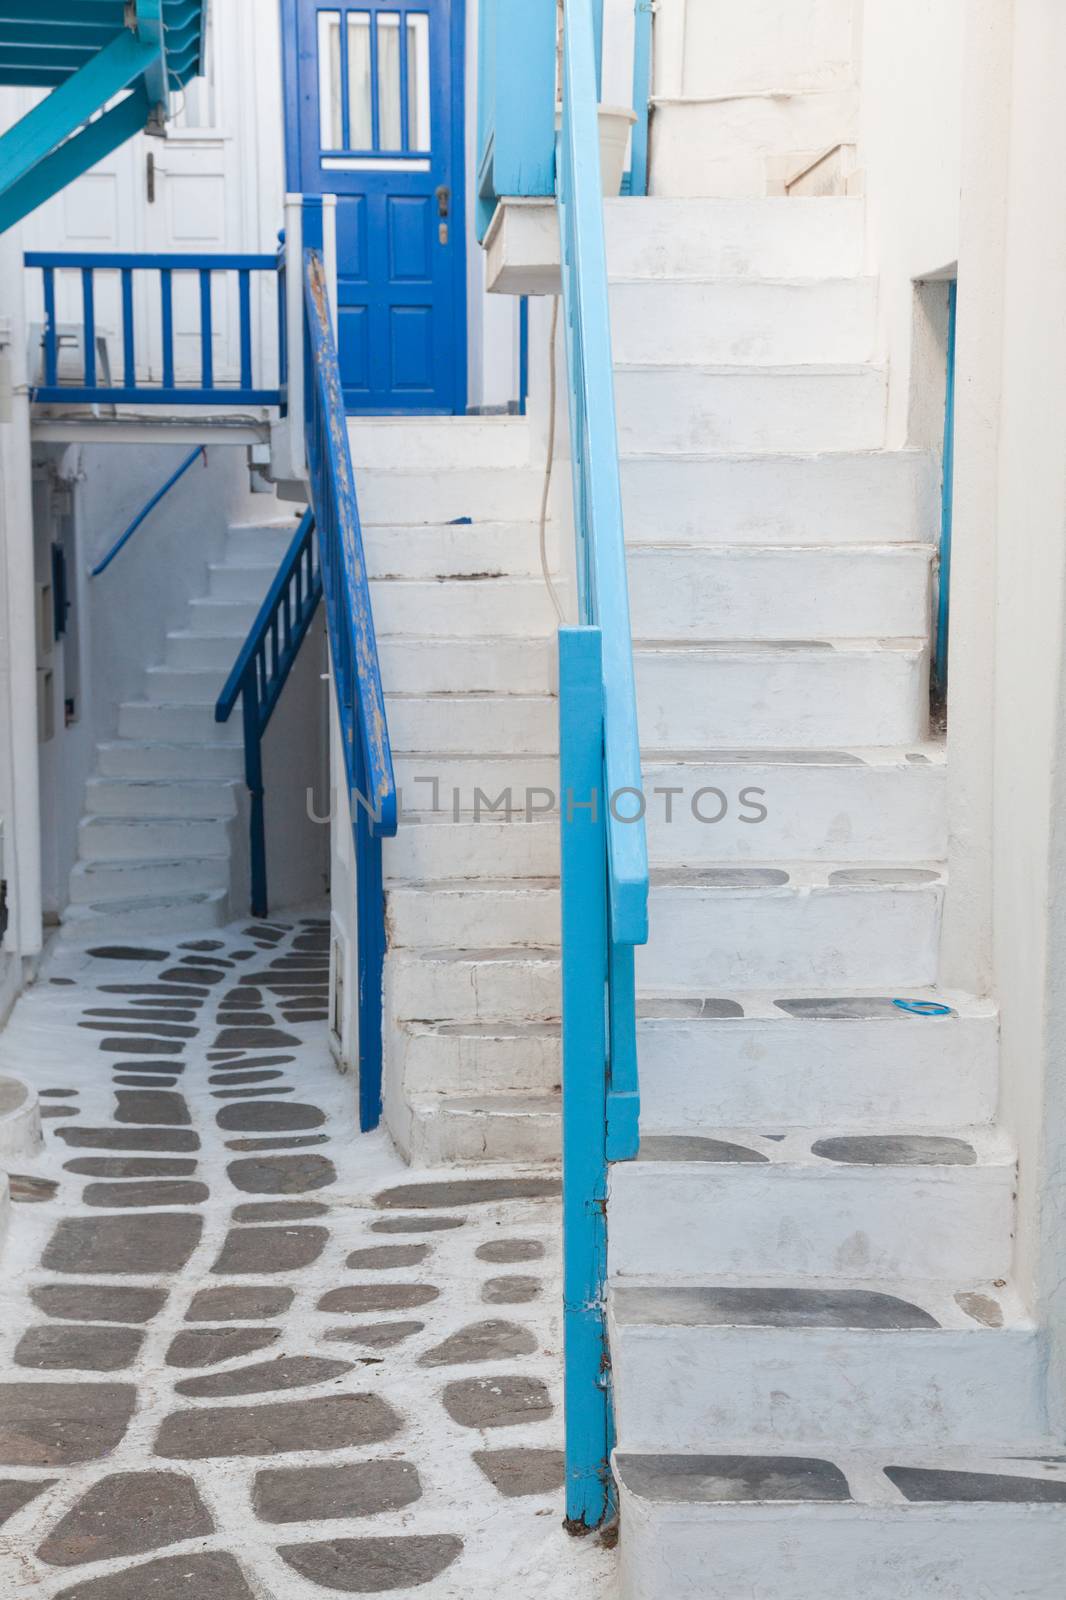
x,y
246,1353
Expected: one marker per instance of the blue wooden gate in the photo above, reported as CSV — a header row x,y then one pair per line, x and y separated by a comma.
x,y
374,115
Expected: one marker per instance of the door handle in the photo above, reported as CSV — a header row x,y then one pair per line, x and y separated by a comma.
x,y
444,199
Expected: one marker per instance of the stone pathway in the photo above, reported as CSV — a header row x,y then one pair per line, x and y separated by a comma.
x,y
246,1353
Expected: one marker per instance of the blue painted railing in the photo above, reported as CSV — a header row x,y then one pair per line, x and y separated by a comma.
x,y
360,701
604,850
947,487
259,675
635,181
148,507
210,390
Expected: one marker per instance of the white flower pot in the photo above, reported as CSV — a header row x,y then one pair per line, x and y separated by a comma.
x,y
615,123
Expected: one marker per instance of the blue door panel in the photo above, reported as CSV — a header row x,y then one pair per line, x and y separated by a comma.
x,y
374,109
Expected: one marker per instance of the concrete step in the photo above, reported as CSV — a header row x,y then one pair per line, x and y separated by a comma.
x,y
163,914
483,1127
482,607
718,929
473,723
186,685
660,237
164,797
827,498
743,321
174,723
730,146
126,838
722,592
467,985
438,443
471,1058
732,806
500,666
240,582
815,1205
502,913
686,408
778,1060
436,846
899,1366
788,1524
94,882
428,494
202,652
817,694
220,617
259,544
533,779
483,549
155,760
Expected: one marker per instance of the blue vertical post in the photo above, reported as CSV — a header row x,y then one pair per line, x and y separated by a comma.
x,y
253,778
523,354
585,955
207,355
940,651
51,357
88,314
244,279
166,305
643,20
129,353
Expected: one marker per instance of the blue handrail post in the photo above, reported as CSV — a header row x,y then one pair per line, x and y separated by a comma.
x,y
585,1046
253,778
643,21
947,468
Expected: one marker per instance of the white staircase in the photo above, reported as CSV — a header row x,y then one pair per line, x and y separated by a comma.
x,y
154,844
824,1382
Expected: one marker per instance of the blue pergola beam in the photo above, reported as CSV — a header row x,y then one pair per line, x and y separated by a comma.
x,y
65,13
150,30
74,156
70,105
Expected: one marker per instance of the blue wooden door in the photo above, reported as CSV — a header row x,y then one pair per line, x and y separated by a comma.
x,y
375,116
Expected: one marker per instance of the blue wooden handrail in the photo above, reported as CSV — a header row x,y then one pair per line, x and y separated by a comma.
x,y
149,505
209,391
259,675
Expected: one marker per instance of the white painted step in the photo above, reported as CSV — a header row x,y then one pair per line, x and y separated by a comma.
x,y
447,1129
496,607
818,694
170,798
660,237
732,806
220,617
742,321
473,723
726,147
470,985
164,914
532,778
173,723
437,443
483,549
239,582
497,912
486,665
774,1363
721,592
788,1524
719,929
825,498
784,1209
415,492
153,760
201,653
92,882
436,846
259,544
187,685
779,1060
126,838
468,1058
687,408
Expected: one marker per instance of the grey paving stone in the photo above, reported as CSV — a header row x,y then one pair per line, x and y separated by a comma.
x,y
360,1298
900,1149
279,1210
28,1190
519,1472
927,1484
251,1094
242,1303
266,1116
79,1347
492,1340
205,1347
212,1575
18,1492
300,1142
127,952
264,1377
374,1335
859,1008
131,1166
127,1514
786,1307
135,1046
57,1094
379,1257
130,1138
151,1244
240,1078
416,1224
270,1249
58,1424
465,1192
156,1106
157,1193
691,1147
138,1080
712,1480
499,1402
98,1302
719,877
191,974
337,1422
314,1494
59,1111
504,1252
253,1038
982,1308
282,1174
514,1290
694,1007
201,945
883,877
374,1566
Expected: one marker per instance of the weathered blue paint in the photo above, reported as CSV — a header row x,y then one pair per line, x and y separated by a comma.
x,y
585,1047
401,235
360,701
207,391
523,354
943,605
643,18
149,506
516,102
259,675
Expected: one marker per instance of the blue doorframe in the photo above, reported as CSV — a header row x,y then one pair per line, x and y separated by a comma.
x,y
402,313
